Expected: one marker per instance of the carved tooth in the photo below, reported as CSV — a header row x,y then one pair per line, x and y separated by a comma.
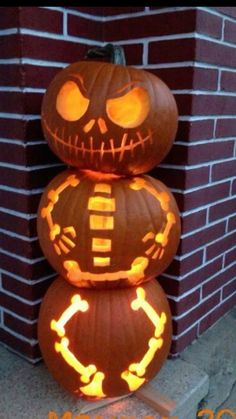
x,y
141,140
123,142
112,148
82,149
102,150
91,148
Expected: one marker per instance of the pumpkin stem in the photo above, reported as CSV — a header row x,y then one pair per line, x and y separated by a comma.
x,y
115,52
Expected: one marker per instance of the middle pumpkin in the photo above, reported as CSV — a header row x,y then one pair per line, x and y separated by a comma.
x,y
104,230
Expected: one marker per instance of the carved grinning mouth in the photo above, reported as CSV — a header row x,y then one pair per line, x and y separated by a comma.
x,y
127,144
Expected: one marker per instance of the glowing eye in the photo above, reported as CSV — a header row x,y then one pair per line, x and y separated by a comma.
x,y
71,104
130,110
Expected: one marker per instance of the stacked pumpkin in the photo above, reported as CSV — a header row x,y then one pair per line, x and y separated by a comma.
x,y
108,230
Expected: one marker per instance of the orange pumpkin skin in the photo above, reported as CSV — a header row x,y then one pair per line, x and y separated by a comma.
x,y
109,118
107,231
110,335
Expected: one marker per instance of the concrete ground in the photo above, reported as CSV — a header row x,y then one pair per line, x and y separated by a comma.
x,y
204,376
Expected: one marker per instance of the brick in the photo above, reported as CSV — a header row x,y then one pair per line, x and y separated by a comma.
x,y
40,19
171,51
133,54
185,304
218,312
202,237
198,312
107,11
174,178
18,202
180,178
180,200
22,103
44,75
33,131
12,128
30,351
32,103
36,178
174,77
18,225
197,177
232,223
177,155
219,281
209,24
229,11
186,265
17,129
228,81
205,79
29,271
170,285
230,31
199,153
27,330
223,170
193,221
110,11
222,209
150,25
230,256
229,289
213,104
184,103
199,276
188,77
204,196
19,246
226,127
221,246
99,11
52,49
25,290
37,154
213,53
10,46
183,341
9,17
24,75
85,28
234,187
10,74
29,311
195,130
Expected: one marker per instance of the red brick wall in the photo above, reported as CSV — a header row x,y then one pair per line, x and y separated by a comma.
x,y
193,50
28,62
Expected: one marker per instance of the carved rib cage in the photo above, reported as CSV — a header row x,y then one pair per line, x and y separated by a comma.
x,y
117,231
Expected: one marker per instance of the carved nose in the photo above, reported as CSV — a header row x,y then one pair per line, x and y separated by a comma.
x,y
102,125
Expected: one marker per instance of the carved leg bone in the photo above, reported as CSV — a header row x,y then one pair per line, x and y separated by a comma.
x,y
154,343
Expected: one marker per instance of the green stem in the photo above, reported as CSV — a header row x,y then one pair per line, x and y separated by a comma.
x,y
114,52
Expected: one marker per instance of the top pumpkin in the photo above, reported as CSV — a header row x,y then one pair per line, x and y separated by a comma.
x,y
109,118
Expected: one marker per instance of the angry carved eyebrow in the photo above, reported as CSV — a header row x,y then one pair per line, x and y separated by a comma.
x,y
80,78
126,86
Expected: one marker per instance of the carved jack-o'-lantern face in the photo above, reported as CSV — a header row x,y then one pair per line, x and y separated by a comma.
x,y
105,230
104,344
109,118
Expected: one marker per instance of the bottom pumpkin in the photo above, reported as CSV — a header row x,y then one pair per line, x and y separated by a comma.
x,y
104,343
